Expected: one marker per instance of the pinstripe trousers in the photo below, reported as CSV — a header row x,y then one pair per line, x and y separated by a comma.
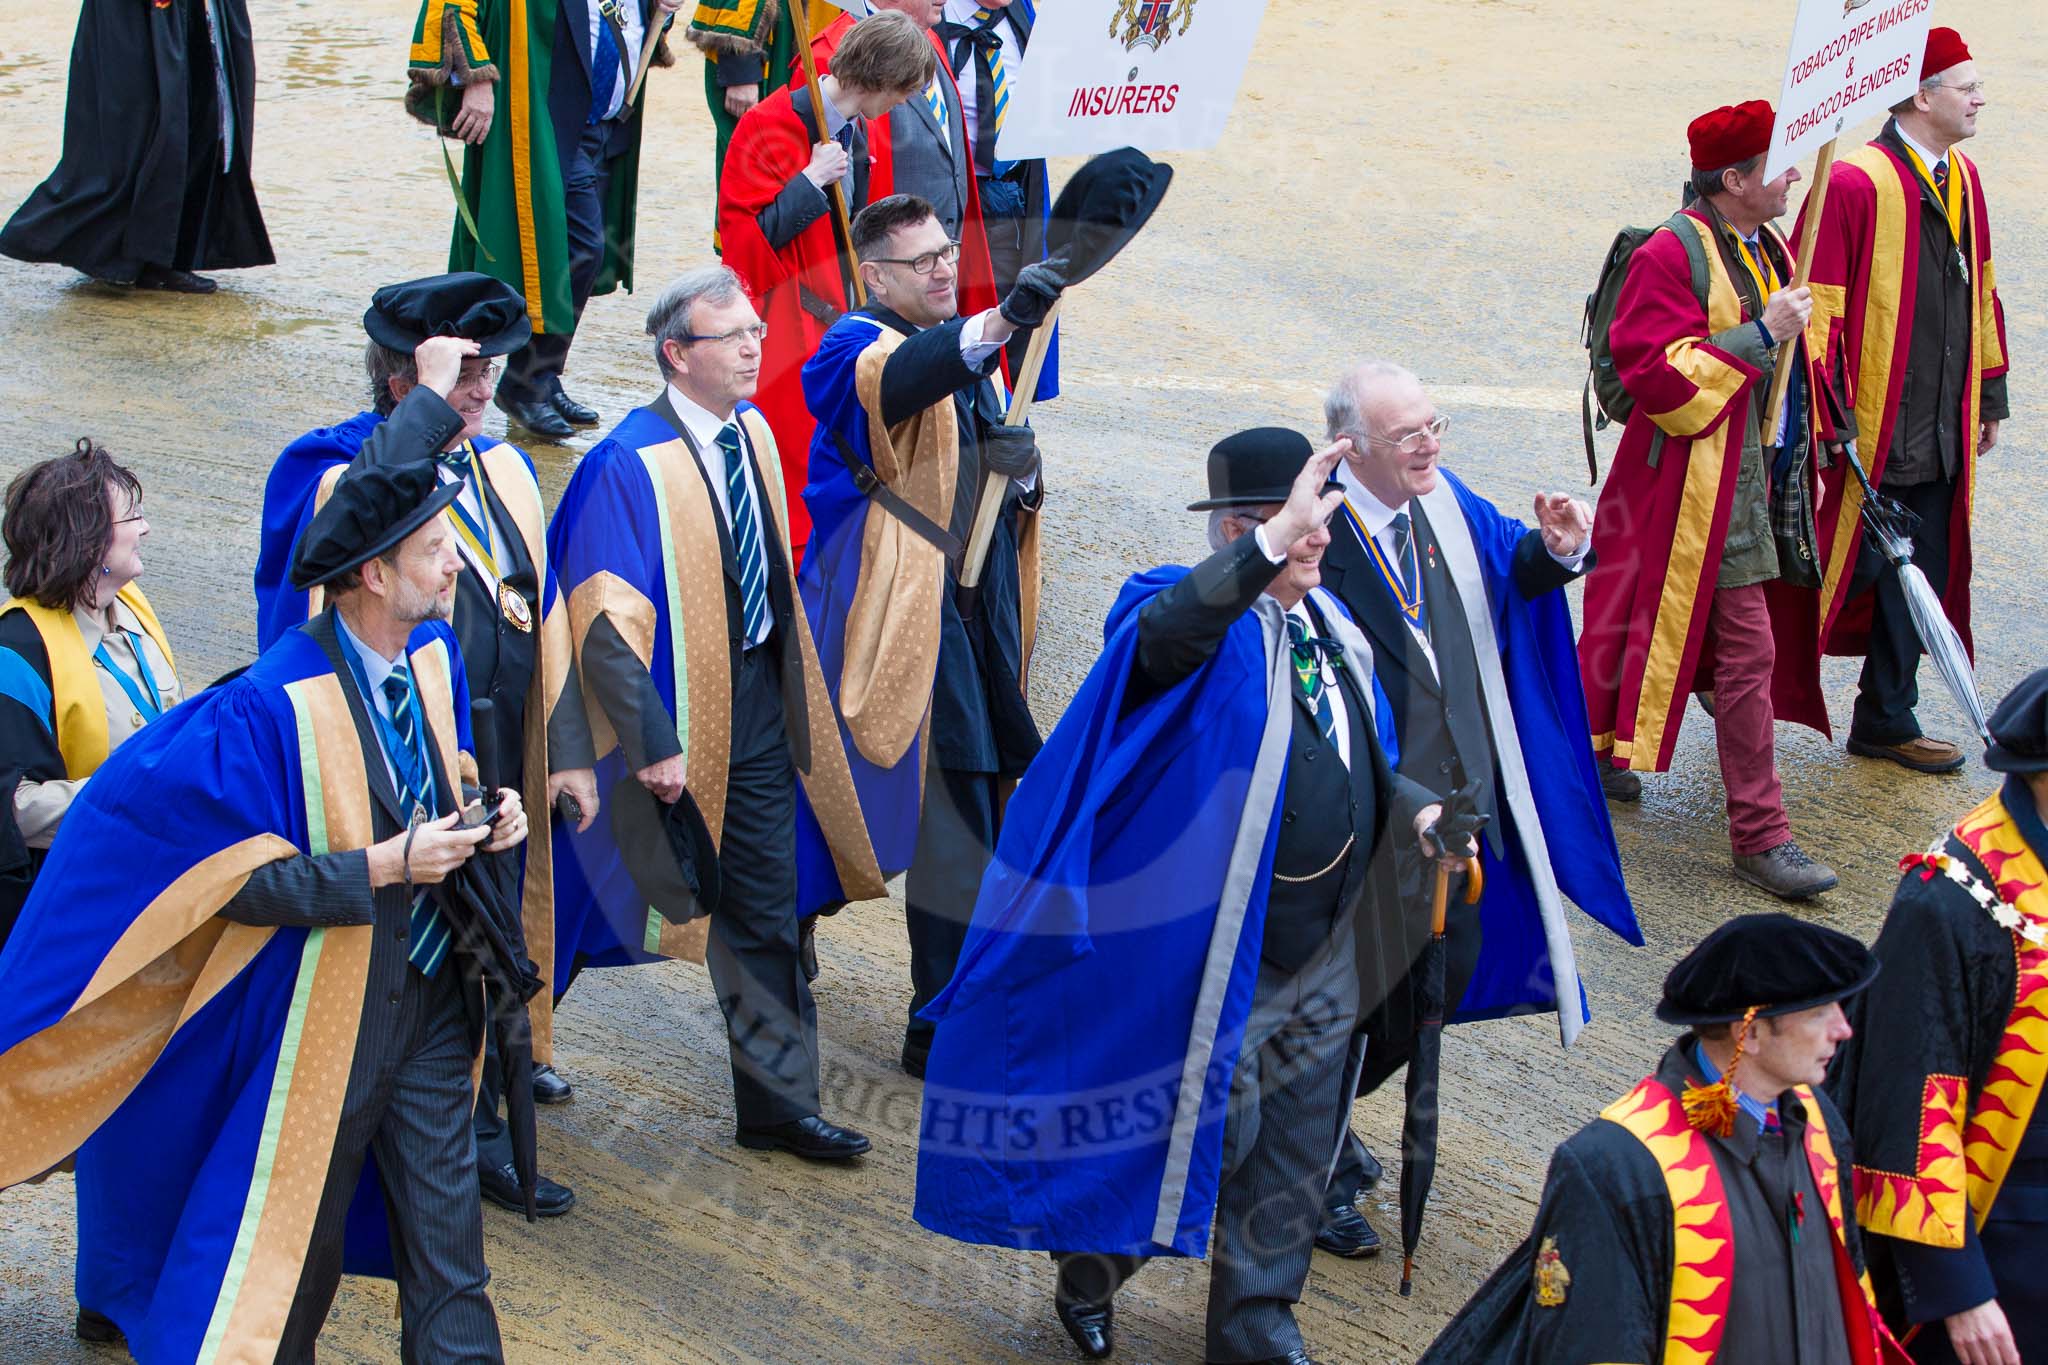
x,y
1287,1114
409,1107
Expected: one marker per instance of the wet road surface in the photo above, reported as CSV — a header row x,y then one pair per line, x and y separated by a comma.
x,y
1433,182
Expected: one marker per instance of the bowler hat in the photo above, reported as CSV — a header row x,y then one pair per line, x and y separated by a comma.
x,y
1774,964
1102,207
1255,467
464,304
668,851
2019,728
370,511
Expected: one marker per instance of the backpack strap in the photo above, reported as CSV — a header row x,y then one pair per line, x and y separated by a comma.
x,y
1695,258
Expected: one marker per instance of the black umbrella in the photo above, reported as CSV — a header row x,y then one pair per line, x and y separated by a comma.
x,y
480,901
1456,829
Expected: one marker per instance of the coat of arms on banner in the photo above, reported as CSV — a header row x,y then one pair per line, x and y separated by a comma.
x,y
1149,23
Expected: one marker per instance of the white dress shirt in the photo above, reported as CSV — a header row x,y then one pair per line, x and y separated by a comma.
x,y
962,12
704,426
1340,706
376,668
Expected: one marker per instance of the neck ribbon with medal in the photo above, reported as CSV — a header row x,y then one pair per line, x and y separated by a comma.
x,y
1390,573
478,542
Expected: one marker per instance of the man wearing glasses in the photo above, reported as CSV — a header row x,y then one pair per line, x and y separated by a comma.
x,y
710,713
1472,644
928,678
432,357
1906,317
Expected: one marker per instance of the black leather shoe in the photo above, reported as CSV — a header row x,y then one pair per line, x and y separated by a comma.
x,y
573,412
97,1328
549,1087
1344,1232
536,415
1091,1326
1374,1172
915,1057
807,947
501,1186
811,1138
175,281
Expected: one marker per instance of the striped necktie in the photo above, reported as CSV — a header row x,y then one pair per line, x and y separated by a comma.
x,y
429,931
1411,580
470,514
935,100
746,537
1308,675
999,88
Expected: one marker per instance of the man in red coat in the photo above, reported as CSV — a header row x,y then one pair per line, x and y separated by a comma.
x,y
1683,534
1907,321
775,219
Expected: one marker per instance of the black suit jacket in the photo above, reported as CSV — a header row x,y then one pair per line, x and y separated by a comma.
x,y
1439,713
569,88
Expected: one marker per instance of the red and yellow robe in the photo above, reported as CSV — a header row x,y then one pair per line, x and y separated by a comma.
x,y
1943,1079
1865,268
1660,526
770,147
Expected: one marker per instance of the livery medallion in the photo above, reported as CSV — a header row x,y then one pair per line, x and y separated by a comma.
x,y
1552,1278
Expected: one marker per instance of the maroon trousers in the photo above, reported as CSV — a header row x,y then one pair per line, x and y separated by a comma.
x,y
1739,654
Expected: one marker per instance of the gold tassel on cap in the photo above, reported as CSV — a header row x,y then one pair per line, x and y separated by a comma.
x,y
1711,1108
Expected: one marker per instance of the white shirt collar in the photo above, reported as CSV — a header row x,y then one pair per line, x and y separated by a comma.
x,y
701,423
1927,158
962,12
376,668
1372,513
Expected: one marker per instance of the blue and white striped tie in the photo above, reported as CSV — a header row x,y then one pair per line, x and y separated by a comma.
x,y
935,100
428,929
746,536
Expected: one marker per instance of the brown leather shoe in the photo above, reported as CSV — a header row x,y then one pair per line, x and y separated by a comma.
x,y
1921,754
1786,872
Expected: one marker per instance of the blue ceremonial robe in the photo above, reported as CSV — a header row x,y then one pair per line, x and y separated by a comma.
x,y
1052,1094
1539,671
610,521
179,1185
291,497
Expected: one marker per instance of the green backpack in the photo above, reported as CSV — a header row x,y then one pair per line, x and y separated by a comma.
x,y
1604,400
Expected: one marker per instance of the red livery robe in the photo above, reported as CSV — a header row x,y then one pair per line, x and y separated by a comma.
x,y
1865,271
770,147
1943,1081
1664,512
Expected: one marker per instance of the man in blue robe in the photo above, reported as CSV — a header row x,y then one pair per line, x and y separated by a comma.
x,y
673,538
1472,644
1149,1027
928,680
431,359
256,1026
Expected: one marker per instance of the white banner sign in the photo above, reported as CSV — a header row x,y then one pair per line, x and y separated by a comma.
x,y
1850,60
1158,75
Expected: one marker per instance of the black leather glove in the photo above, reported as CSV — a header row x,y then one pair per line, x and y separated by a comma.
x,y
1457,830
1011,452
1039,286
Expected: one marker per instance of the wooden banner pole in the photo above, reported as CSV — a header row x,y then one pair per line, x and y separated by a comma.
x,y
842,221
647,46
1802,270
994,487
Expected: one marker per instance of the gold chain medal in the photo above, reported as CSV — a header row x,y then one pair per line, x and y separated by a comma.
x,y
512,602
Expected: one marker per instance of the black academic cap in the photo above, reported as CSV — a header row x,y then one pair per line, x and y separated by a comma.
x,y
1102,207
1255,467
2019,728
464,304
1774,962
369,512
668,851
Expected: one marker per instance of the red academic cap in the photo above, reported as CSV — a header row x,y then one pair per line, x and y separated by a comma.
x,y
1733,133
1944,50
